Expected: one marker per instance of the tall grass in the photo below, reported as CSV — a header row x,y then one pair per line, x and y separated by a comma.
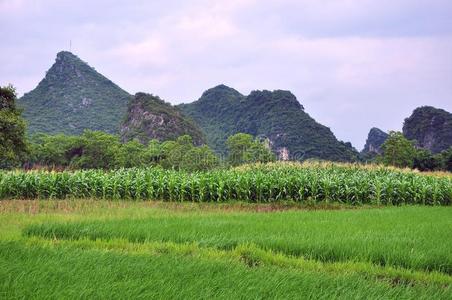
x,y
350,184
36,272
411,237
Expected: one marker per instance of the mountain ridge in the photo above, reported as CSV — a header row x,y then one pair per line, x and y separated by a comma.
x,y
73,97
277,115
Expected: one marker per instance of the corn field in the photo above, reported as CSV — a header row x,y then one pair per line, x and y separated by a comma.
x,y
309,183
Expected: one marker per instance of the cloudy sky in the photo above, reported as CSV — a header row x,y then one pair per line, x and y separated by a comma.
x,y
353,64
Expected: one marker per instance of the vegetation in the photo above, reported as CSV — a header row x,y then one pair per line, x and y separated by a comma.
x,y
308,183
13,147
398,151
182,155
406,239
98,249
278,116
99,150
242,149
149,117
204,235
430,128
73,97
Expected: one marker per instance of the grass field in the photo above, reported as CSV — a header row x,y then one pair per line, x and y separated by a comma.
x,y
117,249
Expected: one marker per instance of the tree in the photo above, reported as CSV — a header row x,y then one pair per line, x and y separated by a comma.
x,y
200,158
99,150
398,151
132,154
182,154
260,152
173,151
54,150
153,152
13,146
424,160
445,159
242,148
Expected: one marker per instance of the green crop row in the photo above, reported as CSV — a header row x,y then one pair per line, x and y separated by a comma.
x,y
412,237
257,183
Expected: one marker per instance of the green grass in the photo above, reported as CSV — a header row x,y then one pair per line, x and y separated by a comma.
x,y
42,272
102,249
410,237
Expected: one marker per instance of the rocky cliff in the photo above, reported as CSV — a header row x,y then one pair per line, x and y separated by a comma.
x,y
149,117
430,127
375,139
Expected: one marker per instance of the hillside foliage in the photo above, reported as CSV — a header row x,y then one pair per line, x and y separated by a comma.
x,y
13,147
149,117
278,116
73,97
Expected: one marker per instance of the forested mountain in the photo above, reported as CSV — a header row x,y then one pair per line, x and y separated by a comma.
x,y
73,97
375,139
430,127
278,116
149,117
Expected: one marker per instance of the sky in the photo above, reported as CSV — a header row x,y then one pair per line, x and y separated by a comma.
x,y
353,64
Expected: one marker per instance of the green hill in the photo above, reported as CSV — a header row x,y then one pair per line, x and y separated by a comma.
x,y
277,115
73,97
430,127
149,117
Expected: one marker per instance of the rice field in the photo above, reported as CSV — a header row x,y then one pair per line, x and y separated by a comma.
x,y
146,249
412,237
311,230
304,183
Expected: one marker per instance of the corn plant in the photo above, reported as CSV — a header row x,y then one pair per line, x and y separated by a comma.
x,y
345,183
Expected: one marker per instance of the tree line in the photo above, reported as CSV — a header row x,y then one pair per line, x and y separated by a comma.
x,y
398,151
100,150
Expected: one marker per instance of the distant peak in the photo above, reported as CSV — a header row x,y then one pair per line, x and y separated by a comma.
x,y
375,139
221,90
429,109
221,87
281,96
375,130
285,93
66,54
141,96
